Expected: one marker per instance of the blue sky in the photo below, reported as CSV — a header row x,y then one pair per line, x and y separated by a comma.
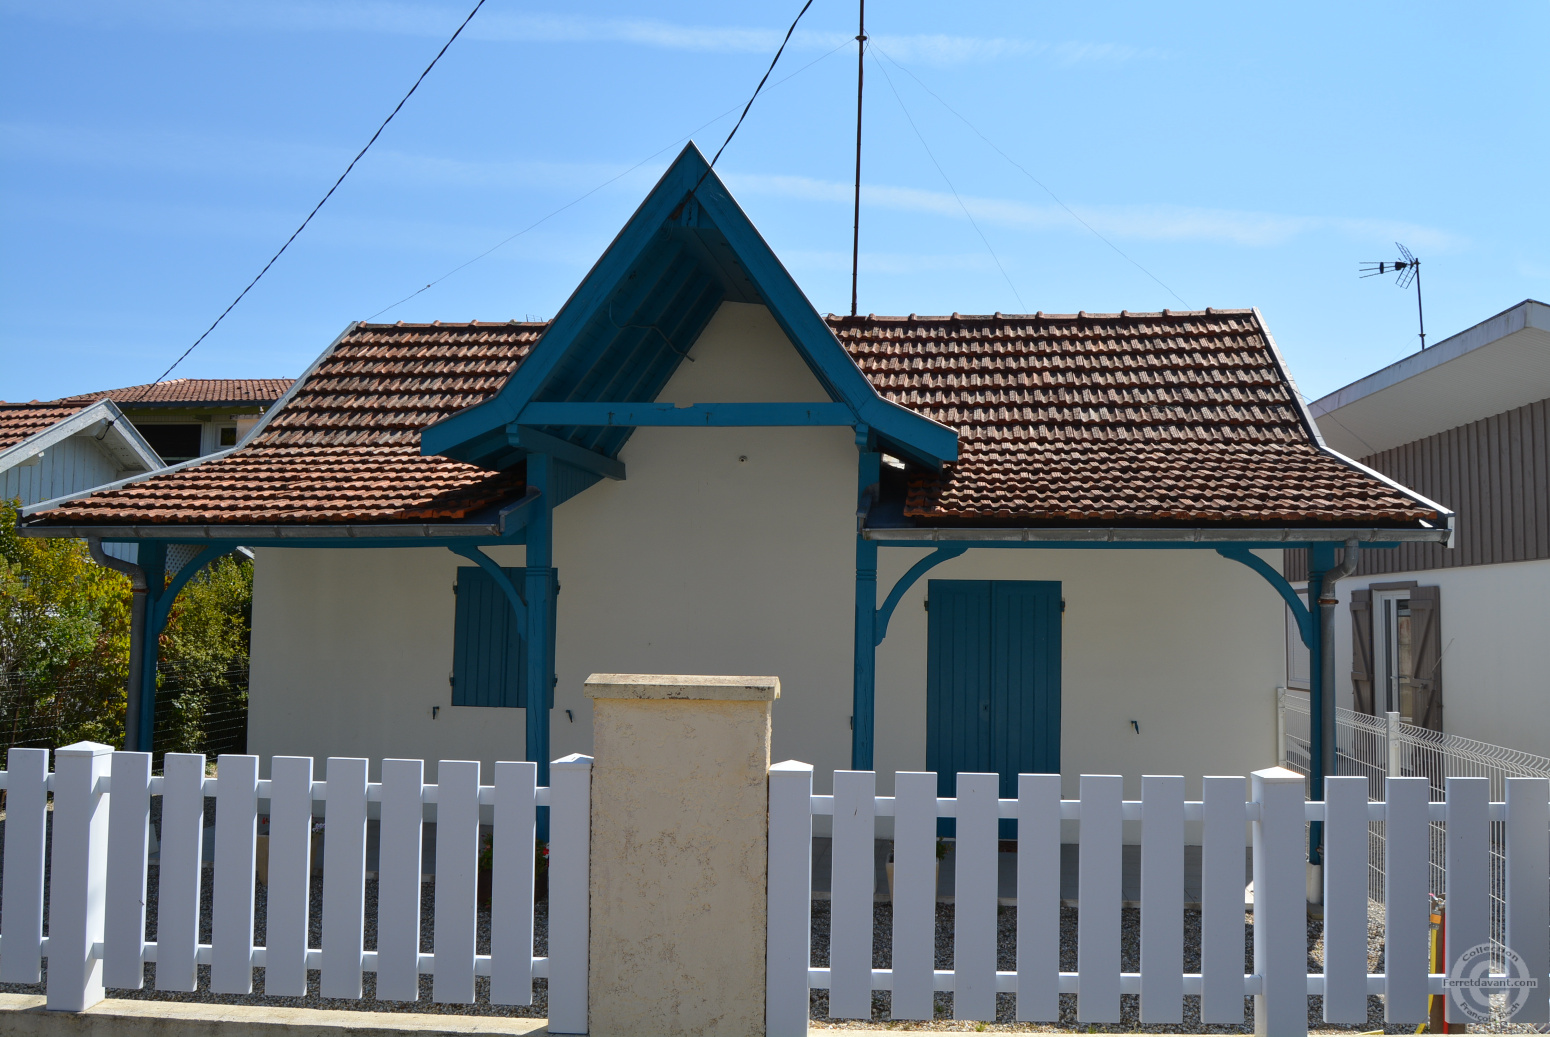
x,y
153,155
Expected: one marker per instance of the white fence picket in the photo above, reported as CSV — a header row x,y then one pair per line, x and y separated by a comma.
x,y
26,828
78,859
457,872
344,877
1345,900
129,830
182,854
570,826
851,895
398,880
788,951
1098,921
1038,898
1528,887
514,852
1407,908
1280,911
1162,898
231,910
1467,874
974,898
1221,899
914,894
289,893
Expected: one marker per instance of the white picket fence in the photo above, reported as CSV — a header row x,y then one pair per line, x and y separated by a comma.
x,y
1277,813
99,869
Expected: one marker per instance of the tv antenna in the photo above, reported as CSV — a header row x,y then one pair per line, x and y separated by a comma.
x,y
1409,269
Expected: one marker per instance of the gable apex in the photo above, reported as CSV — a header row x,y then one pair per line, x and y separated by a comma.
x,y
631,321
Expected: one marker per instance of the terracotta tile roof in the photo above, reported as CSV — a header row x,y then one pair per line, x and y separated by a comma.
x,y
19,421
346,447
1146,419
194,391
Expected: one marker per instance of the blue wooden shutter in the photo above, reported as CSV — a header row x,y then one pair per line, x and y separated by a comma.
x,y
958,668
1025,646
488,653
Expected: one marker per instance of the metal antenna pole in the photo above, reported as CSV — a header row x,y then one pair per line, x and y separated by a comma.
x,y
1420,315
855,235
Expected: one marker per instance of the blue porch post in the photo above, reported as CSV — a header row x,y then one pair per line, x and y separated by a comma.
x,y
538,586
151,556
864,690
1321,700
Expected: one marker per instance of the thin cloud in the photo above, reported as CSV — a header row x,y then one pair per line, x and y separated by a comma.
x,y
405,19
1138,222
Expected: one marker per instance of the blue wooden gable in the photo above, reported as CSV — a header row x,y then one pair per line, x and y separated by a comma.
x,y
593,377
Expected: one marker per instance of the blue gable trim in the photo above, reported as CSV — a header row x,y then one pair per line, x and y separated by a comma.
x,y
687,249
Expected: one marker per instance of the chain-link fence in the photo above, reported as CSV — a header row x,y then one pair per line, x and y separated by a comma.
x,y
1377,747
206,714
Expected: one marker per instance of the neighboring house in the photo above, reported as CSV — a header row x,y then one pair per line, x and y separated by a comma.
x,y
1455,640
187,418
1004,543
65,448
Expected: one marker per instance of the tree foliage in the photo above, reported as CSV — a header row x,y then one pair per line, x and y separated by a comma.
x,y
64,628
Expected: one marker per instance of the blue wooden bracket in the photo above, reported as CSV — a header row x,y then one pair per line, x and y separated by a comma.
x,y
532,441
1293,600
163,606
907,581
719,415
485,562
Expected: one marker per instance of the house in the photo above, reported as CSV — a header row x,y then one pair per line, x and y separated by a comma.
x,y
1454,640
185,418
1002,543
63,448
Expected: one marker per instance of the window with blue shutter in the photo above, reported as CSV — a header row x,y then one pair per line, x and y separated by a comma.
x,y
488,654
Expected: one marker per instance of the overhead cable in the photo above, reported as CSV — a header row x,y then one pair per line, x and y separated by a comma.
x,y
779,51
583,197
972,222
1022,169
327,196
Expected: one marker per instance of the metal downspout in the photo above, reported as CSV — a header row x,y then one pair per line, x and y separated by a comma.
x,y
1327,603
137,621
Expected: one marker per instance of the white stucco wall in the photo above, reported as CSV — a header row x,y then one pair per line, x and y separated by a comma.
x,y
732,551
1496,653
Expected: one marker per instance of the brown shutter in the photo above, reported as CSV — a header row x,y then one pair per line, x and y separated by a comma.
x,y
1361,651
1427,646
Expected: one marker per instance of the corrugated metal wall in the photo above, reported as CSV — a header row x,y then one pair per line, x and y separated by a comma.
x,y
1495,473
76,463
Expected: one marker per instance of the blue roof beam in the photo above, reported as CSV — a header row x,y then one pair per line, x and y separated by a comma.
x,y
532,441
696,415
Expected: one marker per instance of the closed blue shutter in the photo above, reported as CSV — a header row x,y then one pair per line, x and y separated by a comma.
x,y
992,683
488,652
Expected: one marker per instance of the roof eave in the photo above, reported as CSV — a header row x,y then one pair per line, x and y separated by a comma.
x,y
1290,536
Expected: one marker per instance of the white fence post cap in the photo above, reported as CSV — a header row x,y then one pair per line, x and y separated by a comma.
x,y
1279,775
79,749
667,686
572,761
791,765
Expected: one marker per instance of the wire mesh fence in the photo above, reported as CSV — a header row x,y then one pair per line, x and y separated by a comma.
x,y
1376,747
204,714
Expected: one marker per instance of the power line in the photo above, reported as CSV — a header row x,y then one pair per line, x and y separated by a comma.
x,y
1022,169
583,197
889,79
781,50
327,196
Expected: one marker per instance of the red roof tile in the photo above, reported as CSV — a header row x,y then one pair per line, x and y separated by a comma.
x,y
1121,419
194,391
19,421
346,447
1114,419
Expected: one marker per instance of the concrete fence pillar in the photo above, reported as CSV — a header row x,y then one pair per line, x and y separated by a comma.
x,y
680,795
